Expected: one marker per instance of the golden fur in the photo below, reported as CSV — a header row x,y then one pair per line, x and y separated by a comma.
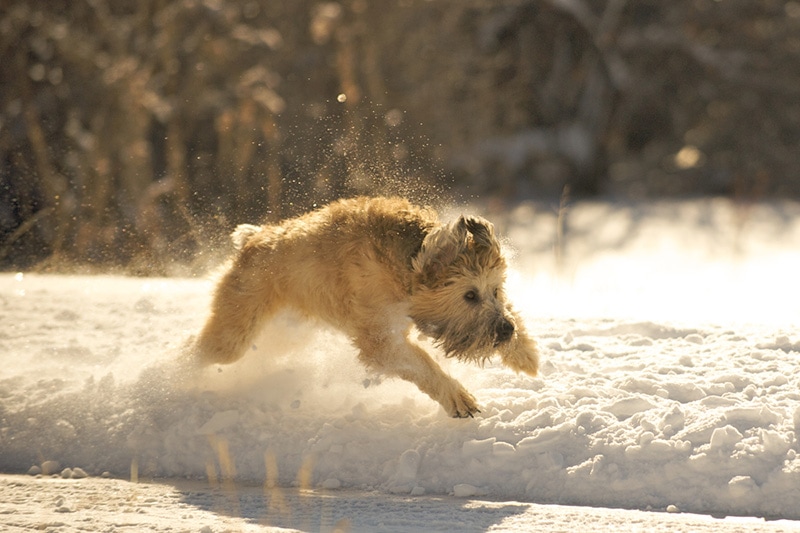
x,y
373,267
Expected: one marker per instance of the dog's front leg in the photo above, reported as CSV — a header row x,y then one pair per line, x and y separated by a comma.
x,y
395,355
520,352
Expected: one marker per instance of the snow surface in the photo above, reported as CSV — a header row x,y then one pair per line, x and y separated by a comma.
x,y
669,383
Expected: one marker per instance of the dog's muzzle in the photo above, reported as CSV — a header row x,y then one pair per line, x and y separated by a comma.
x,y
503,332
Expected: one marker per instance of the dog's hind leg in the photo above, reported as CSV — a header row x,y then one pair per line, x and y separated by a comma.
x,y
242,302
392,355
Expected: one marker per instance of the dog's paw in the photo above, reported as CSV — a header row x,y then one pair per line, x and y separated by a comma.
x,y
460,403
521,355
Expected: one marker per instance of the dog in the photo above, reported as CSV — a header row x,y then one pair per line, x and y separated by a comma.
x,y
374,268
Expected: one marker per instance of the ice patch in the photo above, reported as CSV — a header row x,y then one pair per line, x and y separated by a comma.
x,y
627,407
405,476
465,490
724,438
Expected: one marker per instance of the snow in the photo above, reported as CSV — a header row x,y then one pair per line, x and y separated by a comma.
x,y
669,393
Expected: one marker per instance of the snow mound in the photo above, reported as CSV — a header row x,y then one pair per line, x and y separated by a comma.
x,y
636,407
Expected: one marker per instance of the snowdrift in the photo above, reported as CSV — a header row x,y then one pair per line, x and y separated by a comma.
x,y
669,349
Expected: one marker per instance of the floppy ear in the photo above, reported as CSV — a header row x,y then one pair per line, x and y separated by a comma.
x,y
482,233
439,249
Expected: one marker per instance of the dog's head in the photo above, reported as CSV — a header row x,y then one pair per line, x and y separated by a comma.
x,y
458,295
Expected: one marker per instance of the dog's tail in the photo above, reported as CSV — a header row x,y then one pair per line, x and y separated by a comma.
x,y
242,234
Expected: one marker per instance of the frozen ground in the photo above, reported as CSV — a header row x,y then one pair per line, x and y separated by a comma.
x,y
669,383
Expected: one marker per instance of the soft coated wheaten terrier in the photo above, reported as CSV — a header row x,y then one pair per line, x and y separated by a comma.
x,y
373,267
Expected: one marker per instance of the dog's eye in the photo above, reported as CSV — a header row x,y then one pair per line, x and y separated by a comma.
x,y
470,296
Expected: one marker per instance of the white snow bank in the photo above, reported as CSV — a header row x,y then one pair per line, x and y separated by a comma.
x,y
669,377
30,504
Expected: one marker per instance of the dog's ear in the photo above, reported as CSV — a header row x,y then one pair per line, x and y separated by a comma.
x,y
482,233
439,250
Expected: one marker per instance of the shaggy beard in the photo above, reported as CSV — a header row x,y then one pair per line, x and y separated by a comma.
x,y
471,345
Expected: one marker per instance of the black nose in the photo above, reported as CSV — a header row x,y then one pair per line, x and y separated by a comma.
x,y
504,330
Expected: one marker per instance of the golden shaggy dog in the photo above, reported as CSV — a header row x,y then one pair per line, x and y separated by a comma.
x,y
373,267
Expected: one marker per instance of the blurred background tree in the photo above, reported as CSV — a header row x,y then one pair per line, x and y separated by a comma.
x,y
138,133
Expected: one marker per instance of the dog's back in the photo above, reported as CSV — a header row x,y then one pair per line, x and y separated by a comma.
x,y
393,229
